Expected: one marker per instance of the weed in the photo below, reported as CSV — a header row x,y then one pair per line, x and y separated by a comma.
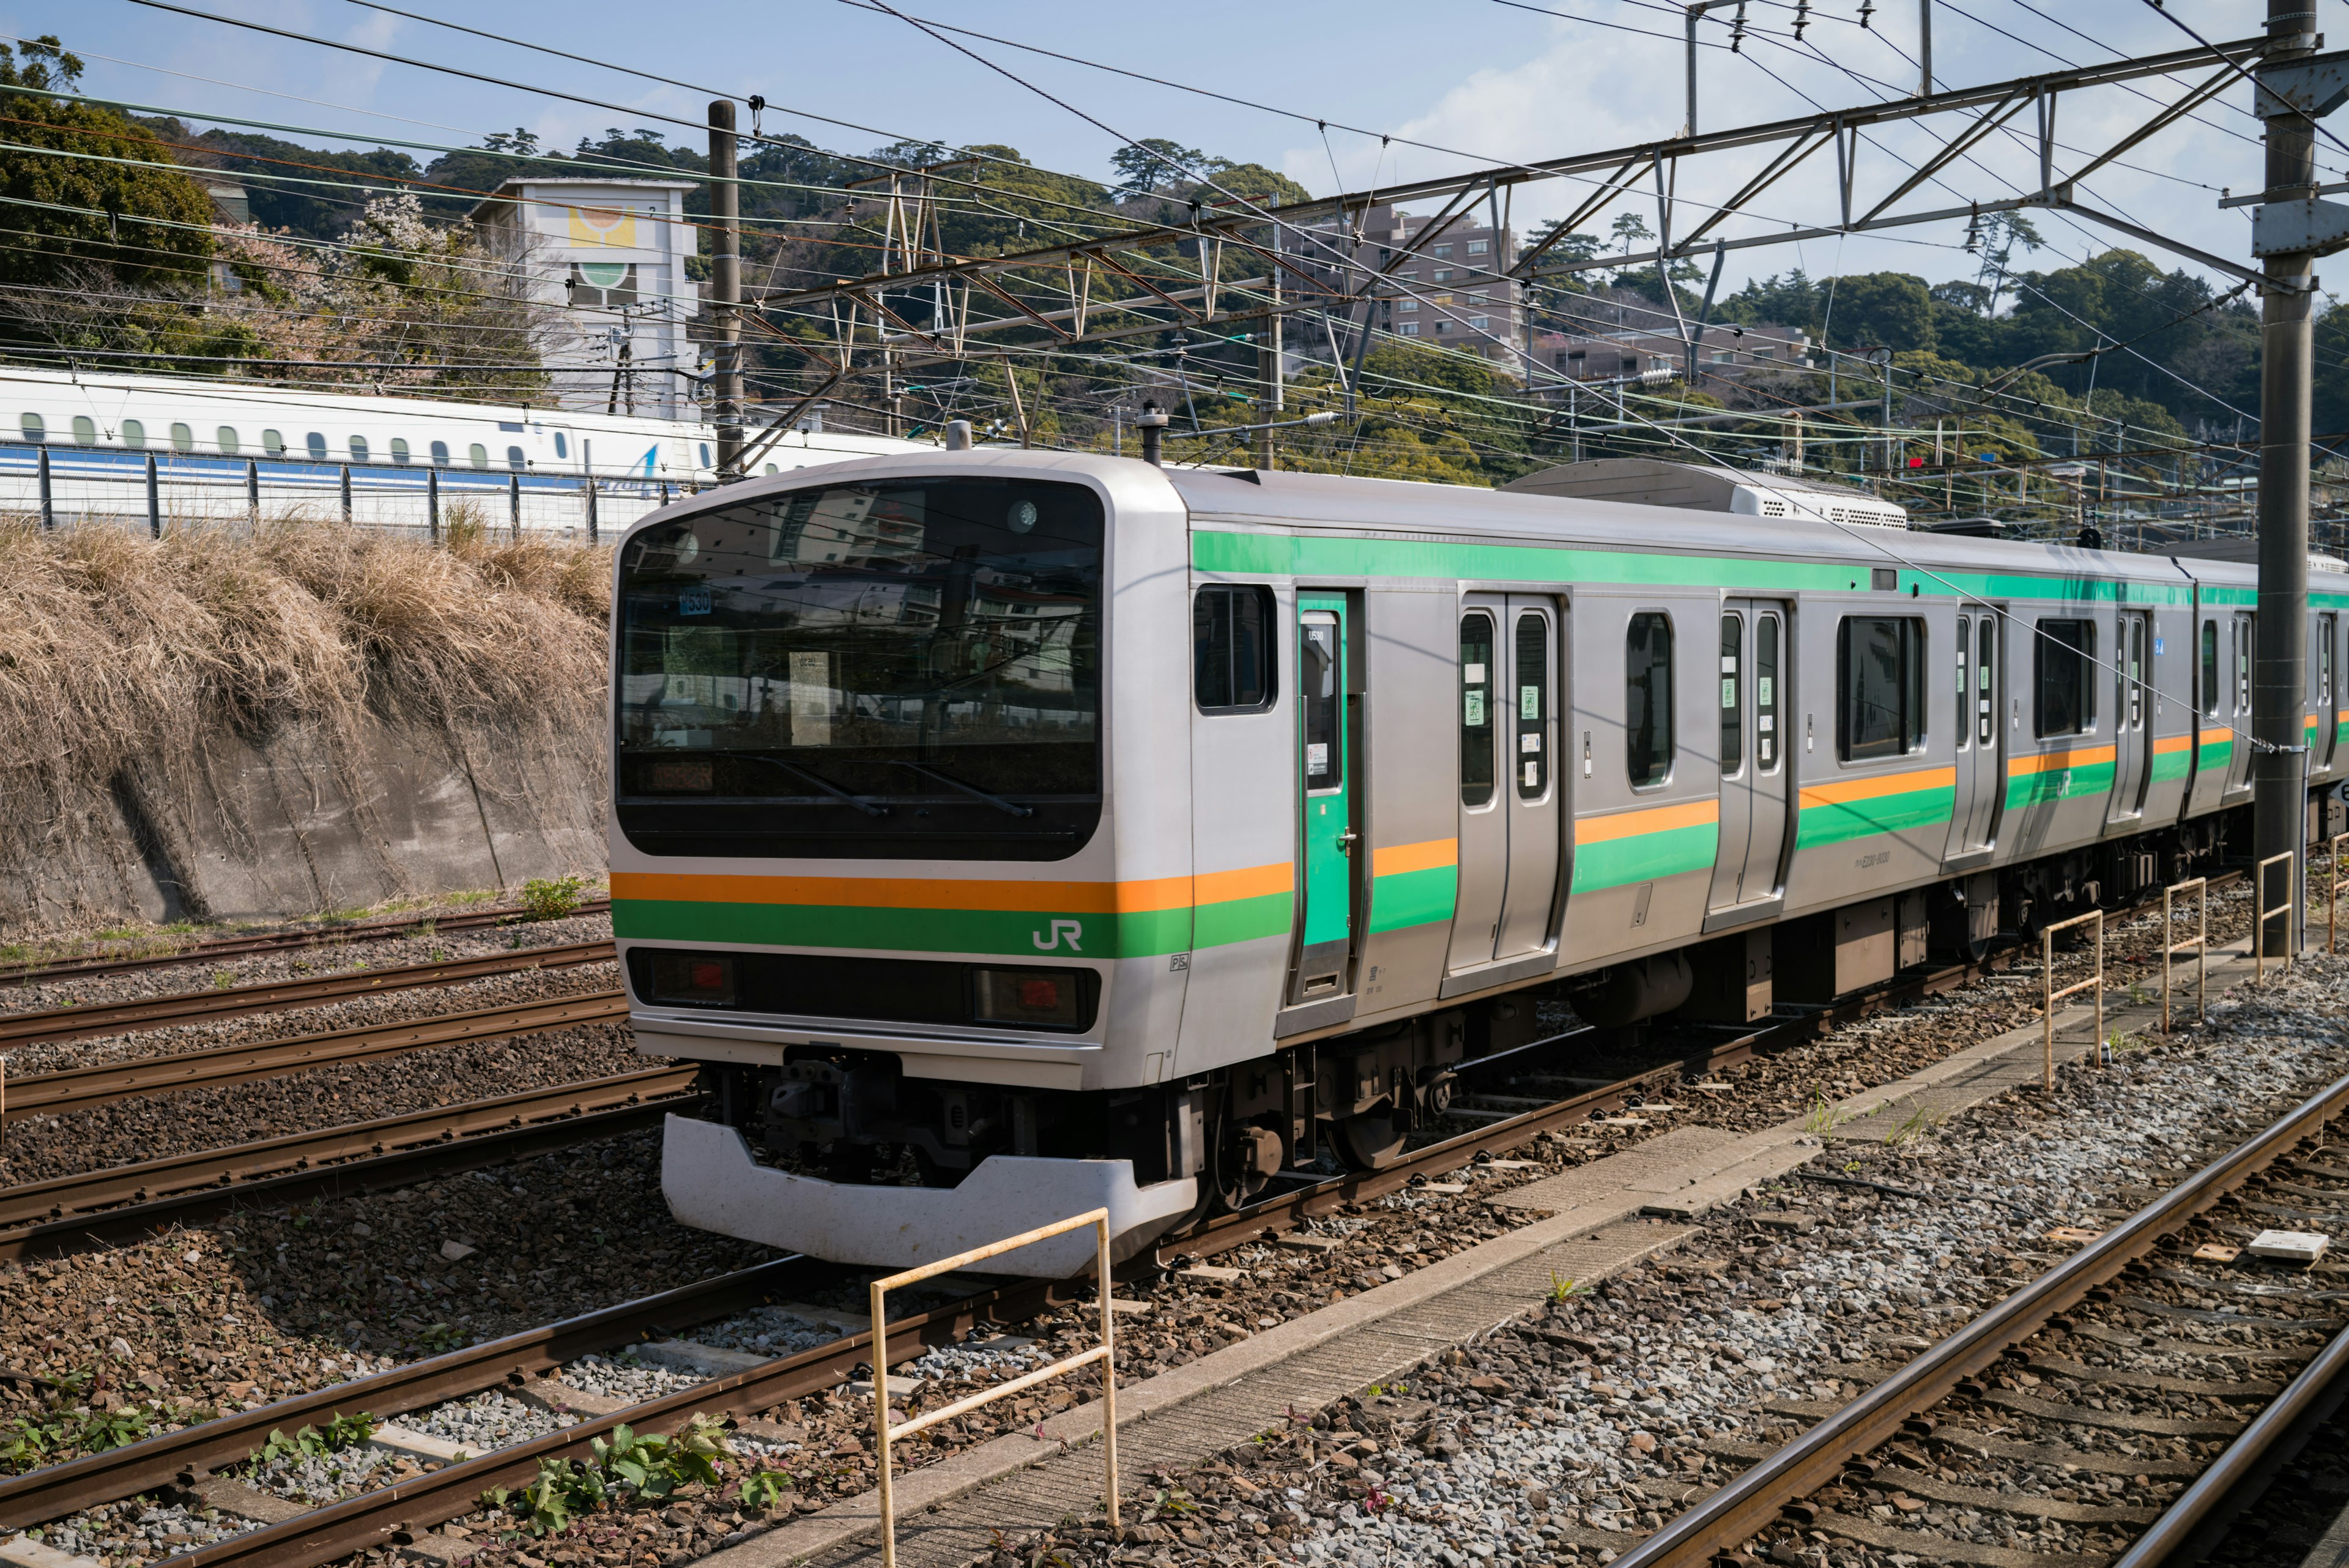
x,y
645,1466
1562,1289
440,955
1175,1500
429,929
26,1443
468,899
1918,1122
310,1443
439,1336
1822,1119
222,978
765,1488
552,900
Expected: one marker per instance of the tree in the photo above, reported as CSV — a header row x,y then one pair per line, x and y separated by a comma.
x,y
1887,309
2000,234
76,212
1154,165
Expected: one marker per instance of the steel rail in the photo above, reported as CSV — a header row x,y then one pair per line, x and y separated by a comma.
x,y
2199,1515
180,1458
152,1181
60,1023
1755,1498
279,941
79,1088
401,1167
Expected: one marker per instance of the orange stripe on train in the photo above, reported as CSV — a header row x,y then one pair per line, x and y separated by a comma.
x,y
1842,791
2087,757
1138,896
1654,820
1394,859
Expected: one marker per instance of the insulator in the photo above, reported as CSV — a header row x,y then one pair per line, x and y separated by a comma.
x,y
1866,10
1802,18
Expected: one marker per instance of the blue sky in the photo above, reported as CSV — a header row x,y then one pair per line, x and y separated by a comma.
x,y
1489,81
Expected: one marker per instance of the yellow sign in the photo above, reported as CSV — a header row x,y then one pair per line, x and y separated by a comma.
x,y
612,226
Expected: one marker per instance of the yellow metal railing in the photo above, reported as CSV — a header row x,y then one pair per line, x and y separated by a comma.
x,y
2047,978
2261,914
2200,942
1106,1353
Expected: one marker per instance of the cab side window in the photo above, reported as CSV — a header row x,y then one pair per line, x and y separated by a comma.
x,y
2209,667
1231,649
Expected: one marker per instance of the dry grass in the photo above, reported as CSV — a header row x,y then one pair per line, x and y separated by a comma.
x,y
121,655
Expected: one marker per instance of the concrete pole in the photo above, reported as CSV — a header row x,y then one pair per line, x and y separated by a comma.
x,y
2279,671
1269,369
725,288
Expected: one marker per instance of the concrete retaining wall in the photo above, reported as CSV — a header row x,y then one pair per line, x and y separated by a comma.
x,y
299,822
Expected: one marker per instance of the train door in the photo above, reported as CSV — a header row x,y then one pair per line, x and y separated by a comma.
x,y
1509,793
1753,762
2327,727
1325,836
1981,777
2131,704
2239,760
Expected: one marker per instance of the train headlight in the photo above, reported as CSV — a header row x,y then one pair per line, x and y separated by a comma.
x,y
1053,998
694,980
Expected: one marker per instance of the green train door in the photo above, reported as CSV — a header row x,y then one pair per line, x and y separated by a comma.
x,y
1325,836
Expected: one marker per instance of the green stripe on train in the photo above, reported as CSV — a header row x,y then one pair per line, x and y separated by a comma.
x,y
2168,765
1646,856
2214,755
1019,933
2058,784
1839,822
1403,899
1326,556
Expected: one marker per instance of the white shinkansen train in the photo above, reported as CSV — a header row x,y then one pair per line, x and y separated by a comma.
x,y
278,443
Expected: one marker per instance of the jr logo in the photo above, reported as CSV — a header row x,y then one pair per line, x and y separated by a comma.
x,y
1072,929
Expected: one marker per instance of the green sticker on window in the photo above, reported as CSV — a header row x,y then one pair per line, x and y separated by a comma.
x,y
1528,702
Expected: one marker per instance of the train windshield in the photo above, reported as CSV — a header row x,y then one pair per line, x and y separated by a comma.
x,y
909,667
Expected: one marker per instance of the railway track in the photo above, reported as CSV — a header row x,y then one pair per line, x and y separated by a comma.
x,y
280,941
398,1514
121,1200
80,1088
2100,1334
62,1023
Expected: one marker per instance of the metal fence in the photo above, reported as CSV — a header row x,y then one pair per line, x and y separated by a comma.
x,y
68,486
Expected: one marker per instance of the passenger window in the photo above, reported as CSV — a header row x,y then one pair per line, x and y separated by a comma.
x,y
1533,706
228,440
562,448
1880,676
514,458
85,431
1324,756
1733,694
33,427
1985,665
2209,667
478,455
1231,670
398,449
2136,673
358,448
439,454
1765,693
273,442
182,439
1647,699
1477,772
1965,687
134,433
315,445
2242,664
2061,656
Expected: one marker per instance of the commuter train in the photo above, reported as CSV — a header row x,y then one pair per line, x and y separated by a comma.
x,y
96,427
1011,834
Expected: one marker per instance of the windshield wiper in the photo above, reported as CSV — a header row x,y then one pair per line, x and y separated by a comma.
x,y
996,801
817,779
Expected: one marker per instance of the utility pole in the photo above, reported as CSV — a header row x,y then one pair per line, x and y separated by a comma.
x,y
1269,369
2279,672
726,287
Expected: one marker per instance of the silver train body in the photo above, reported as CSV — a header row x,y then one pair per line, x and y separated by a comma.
x,y
1011,834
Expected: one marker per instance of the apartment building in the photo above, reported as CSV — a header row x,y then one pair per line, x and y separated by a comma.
x,y
1728,351
1451,288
